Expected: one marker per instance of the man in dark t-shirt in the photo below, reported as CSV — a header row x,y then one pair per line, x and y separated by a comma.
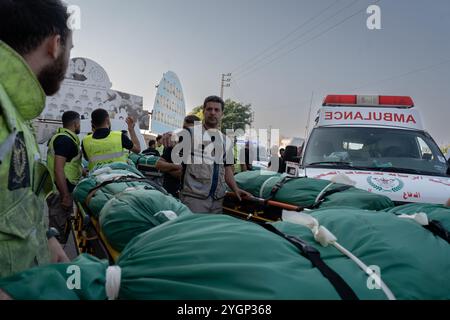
x,y
171,183
64,164
151,150
64,147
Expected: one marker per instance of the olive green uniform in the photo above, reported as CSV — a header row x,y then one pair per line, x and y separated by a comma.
x,y
23,225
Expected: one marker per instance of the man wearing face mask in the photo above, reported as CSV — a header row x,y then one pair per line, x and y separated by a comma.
x,y
35,45
64,165
106,146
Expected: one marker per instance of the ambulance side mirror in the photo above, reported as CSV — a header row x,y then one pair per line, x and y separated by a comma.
x,y
291,154
292,168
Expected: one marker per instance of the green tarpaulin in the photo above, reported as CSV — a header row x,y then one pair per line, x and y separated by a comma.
x,y
412,261
219,257
437,212
125,204
141,159
170,253
130,178
133,212
54,282
304,191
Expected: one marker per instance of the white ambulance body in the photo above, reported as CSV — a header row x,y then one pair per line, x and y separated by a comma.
x,y
379,143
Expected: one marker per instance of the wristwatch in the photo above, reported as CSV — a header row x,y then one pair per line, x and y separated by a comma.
x,y
52,232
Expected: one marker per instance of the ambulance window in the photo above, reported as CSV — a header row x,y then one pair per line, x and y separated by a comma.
x,y
425,151
383,149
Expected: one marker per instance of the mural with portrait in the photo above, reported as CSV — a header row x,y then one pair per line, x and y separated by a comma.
x,y
87,87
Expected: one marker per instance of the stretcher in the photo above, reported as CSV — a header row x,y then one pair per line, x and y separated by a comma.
x,y
89,238
256,209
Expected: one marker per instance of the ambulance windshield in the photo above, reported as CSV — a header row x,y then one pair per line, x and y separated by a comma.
x,y
376,149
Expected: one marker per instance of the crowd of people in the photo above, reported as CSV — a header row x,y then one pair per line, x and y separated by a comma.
x,y
35,46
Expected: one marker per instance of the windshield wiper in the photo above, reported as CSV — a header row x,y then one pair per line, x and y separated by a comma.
x,y
331,163
400,170
348,165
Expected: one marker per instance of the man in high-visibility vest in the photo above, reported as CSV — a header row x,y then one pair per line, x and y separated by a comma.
x,y
64,164
105,146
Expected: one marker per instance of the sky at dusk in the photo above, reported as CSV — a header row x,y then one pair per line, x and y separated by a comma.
x,y
280,53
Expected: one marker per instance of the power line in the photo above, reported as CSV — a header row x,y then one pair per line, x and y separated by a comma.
x,y
303,43
404,74
248,72
239,94
252,65
285,37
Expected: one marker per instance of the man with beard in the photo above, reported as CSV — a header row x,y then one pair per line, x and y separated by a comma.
x,y
35,45
204,182
64,164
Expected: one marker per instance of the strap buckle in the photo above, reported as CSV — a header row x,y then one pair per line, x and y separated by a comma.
x,y
305,247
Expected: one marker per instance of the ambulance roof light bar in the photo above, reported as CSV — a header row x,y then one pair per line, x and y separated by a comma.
x,y
368,101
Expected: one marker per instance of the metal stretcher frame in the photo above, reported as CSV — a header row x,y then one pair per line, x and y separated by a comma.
x,y
89,238
256,209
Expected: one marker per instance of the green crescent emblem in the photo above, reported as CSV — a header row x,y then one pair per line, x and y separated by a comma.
x,y
386,184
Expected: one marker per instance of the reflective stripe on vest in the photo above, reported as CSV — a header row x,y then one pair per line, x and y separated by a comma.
x,y
109,156
106,150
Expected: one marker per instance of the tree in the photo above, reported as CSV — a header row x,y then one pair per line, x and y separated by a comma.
x,y
236,115
445,149
197,111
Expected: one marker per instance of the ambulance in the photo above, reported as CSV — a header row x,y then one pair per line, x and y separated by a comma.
x,y
380,144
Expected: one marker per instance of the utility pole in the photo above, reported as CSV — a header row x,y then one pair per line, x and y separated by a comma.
x,y
225,83
309,115
270,137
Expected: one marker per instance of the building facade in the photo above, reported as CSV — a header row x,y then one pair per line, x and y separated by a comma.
x,y
169,108
87,87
